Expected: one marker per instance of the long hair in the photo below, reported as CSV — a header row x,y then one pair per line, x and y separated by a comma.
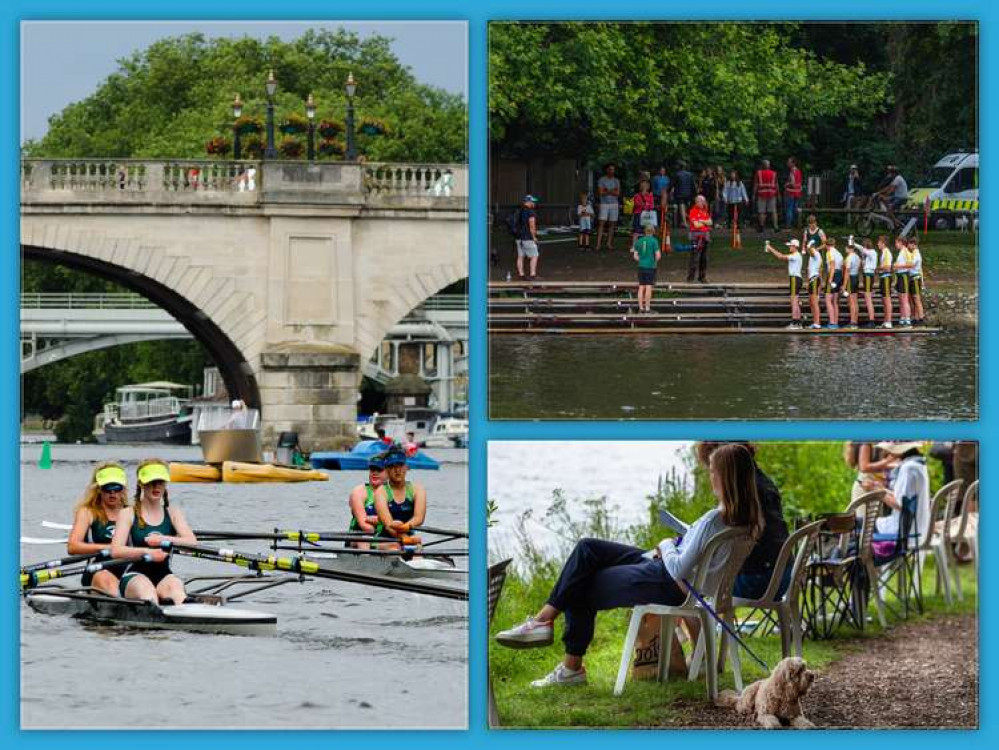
x,y
736,471
138,489
91,498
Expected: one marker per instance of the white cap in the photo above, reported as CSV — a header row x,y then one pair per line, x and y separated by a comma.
x,y
793,243
237,404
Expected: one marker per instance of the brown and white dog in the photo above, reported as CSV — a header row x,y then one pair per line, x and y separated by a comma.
x,y
775,698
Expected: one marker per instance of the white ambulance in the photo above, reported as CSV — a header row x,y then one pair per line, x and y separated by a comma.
x,y
950,188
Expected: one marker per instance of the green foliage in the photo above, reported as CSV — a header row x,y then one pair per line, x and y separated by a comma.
x,y
167,101
732,92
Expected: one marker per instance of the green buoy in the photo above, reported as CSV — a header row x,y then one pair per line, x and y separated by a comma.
x,y
45,462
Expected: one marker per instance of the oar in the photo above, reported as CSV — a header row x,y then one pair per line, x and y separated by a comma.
x,y
406,553
290,536
58,526
310,568
28,580
41,540
64,561
441,532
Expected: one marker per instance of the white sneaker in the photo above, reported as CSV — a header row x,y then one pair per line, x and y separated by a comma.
x,y
529,634
886,325
561,676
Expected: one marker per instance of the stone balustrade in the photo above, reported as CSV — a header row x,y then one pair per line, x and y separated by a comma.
x,y
211,182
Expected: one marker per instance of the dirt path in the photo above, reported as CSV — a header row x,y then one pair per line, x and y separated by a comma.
x,y
919,675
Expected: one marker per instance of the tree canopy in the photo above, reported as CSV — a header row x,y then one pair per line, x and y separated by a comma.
x,y
732,92
170,99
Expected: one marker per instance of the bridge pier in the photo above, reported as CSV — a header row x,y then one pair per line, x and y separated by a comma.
x,y
310,389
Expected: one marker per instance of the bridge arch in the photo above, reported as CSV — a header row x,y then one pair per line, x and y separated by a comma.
x,y
235,370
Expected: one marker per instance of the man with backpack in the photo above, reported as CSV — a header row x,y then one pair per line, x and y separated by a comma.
x,y
523,225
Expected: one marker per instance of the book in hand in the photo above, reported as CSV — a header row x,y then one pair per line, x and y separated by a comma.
x,y
668,519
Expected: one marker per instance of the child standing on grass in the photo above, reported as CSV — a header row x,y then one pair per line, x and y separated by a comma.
x,y
870,260
646,252
585,213
851,277
916,281
903,281
834,281
814,283
793,259
885,263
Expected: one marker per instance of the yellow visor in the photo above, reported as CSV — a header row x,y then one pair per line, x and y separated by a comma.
x,y
154,472
111,475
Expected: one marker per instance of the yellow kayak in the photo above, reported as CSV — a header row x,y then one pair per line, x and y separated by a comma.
x,y
235,471
195,473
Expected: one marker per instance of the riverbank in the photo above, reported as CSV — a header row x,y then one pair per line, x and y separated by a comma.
x,y
857,684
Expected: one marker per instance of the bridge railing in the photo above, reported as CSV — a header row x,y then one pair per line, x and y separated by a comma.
x,y
86,301
194,181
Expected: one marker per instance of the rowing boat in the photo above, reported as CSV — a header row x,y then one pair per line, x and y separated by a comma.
x,y
396,567
200,614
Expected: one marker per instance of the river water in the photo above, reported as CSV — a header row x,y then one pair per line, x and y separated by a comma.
x,y
344,656
735,377
524,474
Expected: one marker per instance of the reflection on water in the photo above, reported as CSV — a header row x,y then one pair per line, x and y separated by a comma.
x,y
735,377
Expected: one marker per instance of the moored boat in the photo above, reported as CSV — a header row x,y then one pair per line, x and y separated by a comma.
x,y
155,412
247,473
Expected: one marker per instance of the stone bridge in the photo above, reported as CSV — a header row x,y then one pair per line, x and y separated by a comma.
x,y
289,273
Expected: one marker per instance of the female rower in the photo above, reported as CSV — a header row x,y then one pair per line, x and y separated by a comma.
x,y
363,515
140,531
401,506
95,519
603,575
813,234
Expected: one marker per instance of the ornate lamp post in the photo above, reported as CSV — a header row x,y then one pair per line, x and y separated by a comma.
x,y
310,112
271,86
351,87
237,110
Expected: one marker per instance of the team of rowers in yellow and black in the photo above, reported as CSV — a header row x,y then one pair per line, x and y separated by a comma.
x,y
864,271
387,505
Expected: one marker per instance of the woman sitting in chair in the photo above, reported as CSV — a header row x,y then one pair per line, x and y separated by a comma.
x,y
604,575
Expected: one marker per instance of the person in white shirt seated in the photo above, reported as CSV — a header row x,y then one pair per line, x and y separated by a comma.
x,y
911,481
602,575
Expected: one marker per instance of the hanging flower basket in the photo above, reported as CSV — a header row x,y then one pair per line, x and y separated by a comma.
x,y
247,125
332,147
330,128
252,147
218,146
294,125
372,126
291,148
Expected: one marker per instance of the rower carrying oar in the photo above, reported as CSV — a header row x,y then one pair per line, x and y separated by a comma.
x,y
306,567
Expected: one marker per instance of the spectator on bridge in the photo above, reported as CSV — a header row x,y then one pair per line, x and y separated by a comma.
x,y
736,198
608,194
683,190
527,237
700,239
792,192
765,192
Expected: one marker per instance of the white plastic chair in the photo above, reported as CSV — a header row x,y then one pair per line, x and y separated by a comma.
x,y
964,534
937,540
720,598
786,607
870,503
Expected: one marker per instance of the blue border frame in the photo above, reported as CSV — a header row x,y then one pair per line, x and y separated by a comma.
x,y
477,15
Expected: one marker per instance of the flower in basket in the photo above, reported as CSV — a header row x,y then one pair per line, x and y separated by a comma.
x,y
218,146
247,125
332,147
373,126
291,148
330,128
294,124
253,147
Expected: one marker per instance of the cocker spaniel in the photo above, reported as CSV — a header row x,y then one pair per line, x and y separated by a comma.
x,y
776,699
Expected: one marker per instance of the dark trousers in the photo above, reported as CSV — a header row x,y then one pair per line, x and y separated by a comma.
x,y
698,259
606,575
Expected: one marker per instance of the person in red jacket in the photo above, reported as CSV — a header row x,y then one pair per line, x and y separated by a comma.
x,y
765,190
700,238
792,192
